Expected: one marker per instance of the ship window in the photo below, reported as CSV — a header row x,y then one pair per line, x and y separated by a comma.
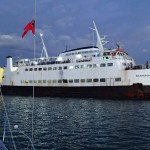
x,y
54,68
40,69
21,62
44,81
103,65
39,81
49,68
44,69
95,80
35,81
104,54
70,81
71,67
30,81
89,80
65,67
59,68
54,81
65,81
118,53
76,80
35,69
22,81
59,81
117,79
26,81
95,65
26,69
110,64
30,69
113,53
83,66
124,64
102,80
89,66
77,67
107,53
49,81
82,80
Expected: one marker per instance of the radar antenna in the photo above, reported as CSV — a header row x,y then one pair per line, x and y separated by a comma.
x,y
103,39
44,50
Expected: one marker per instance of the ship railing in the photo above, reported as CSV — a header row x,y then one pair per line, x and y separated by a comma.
x,y
83,60
32,63
138,67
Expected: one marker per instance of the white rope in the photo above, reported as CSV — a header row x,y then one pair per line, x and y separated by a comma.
x,y
7,119
4,130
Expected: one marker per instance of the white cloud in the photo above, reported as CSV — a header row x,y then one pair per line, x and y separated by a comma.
x,y
9,40
146,50
65,38
64,22
59,9
14,42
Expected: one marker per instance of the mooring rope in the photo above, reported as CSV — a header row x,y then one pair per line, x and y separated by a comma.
x,y
7,118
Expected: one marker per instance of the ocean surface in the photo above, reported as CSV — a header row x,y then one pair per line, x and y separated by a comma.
x,y
77,124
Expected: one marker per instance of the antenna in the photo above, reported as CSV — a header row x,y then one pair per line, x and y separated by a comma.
x,y
44,50
118,45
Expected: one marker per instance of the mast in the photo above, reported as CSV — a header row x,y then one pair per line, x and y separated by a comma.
x,y
99,40
44,50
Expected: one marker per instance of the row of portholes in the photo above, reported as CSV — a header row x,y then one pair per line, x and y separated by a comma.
x,y
69,80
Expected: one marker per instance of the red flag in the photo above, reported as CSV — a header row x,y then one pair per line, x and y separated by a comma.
x,y
29,26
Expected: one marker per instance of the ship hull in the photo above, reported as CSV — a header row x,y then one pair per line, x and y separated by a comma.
x,y
136,91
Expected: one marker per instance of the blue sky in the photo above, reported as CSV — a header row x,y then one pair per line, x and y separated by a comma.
x,y
66,23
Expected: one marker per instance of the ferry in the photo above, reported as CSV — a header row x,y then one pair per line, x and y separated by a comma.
x,y
88,72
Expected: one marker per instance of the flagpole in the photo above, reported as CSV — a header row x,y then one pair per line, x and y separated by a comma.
x,y
33,72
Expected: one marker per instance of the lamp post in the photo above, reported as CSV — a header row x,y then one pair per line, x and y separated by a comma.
x,y
17,128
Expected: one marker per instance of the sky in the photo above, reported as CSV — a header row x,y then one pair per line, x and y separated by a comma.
x,y
65,23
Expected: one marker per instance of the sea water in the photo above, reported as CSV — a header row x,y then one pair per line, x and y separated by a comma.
x,y
77,124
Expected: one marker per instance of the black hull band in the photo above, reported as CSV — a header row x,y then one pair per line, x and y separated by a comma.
x,y
103,92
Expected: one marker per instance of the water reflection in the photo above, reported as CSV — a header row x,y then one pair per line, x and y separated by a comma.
x,y
66,123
